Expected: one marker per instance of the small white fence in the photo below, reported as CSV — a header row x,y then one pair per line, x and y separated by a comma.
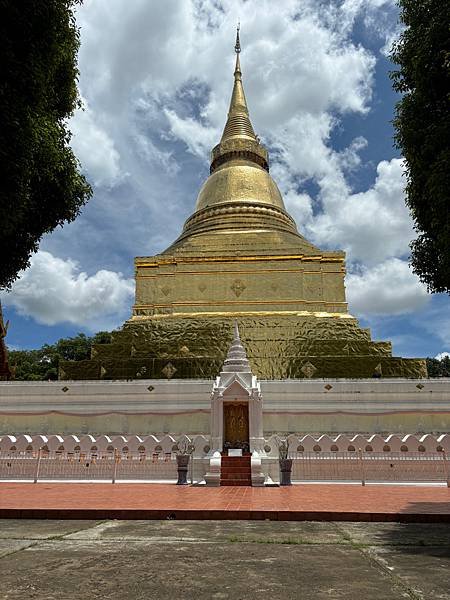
x,y
393,467
39,466
110,466
390,458
371,466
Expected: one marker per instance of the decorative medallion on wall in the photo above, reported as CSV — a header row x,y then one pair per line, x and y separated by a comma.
x,y
328,387
166,290
184,351
420,386
238,287
150,388
65,389
202,287
308,370
169,370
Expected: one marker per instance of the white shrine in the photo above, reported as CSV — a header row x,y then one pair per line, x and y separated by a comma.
x,y
236,420
236,404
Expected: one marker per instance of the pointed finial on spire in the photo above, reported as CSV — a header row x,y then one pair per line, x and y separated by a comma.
x,y
237,46
237,49
238,123
236,331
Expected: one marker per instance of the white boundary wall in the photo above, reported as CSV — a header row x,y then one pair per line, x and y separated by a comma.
x,y
183,406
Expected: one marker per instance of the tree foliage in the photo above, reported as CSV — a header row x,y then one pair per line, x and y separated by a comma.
x,y
438,368
43,363
422,125
40,183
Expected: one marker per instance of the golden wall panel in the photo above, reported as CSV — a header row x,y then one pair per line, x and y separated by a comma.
x,y
278,347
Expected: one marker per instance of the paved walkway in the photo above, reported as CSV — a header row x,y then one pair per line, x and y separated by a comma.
x,y
161,501
223,560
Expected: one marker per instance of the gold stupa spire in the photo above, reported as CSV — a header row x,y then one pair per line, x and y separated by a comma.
x,y
239,195
238,136
238,123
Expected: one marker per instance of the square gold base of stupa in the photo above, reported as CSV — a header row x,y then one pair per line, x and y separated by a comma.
x,y
279,346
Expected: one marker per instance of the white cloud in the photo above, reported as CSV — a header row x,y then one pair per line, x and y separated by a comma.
x,y
383,24
54,291
150,153
389,288
442,355
198,138
94,148
372,225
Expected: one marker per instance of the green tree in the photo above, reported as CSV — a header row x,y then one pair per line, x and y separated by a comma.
x,y
438,368
422,125
43,363
40,182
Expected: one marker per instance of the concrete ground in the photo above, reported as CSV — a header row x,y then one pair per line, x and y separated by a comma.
x,y
221,560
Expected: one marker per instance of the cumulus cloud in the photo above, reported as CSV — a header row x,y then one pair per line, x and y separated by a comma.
x,y
442,355
389,288
94,148
54,291
372,225
198,138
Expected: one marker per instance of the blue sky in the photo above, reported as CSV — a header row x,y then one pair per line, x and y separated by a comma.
x,y
156,78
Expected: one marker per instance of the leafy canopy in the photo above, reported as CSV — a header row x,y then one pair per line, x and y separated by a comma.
x,y
43,363
438,368
40,182
422,125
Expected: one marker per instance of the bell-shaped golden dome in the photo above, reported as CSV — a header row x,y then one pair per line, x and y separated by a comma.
x,y
240,195
239,181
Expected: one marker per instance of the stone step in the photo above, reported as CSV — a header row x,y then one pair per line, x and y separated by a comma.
x,y
243,469
236,470
236,482
234,475
238,460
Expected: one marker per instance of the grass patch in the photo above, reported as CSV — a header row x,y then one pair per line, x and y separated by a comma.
x,y
284,541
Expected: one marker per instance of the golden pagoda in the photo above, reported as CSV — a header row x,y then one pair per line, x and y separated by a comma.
x,y
241,257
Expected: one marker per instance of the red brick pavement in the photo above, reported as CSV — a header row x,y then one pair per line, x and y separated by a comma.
x,y
160,501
